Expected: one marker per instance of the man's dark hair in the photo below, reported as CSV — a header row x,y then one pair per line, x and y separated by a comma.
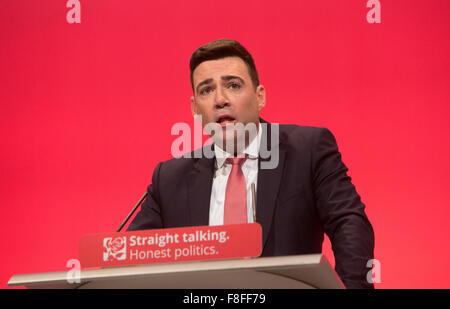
x,y
221,49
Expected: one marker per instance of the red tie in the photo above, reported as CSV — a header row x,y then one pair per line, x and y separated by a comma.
x,y
235,211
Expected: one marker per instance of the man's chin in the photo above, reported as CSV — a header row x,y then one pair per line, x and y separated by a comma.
x,y
229,136
231,143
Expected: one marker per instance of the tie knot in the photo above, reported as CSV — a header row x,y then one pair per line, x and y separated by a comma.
x,y
236,161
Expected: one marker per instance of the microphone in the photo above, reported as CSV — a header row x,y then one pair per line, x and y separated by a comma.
x,y
132,211
254,202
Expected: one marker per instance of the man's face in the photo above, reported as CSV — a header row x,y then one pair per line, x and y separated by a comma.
x,y
224,93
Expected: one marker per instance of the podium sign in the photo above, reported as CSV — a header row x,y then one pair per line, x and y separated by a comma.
x,y
171,245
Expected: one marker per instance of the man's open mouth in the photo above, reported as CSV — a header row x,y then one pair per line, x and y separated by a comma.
x,y
223,120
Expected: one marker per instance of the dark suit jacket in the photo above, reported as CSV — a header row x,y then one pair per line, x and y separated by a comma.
x,y
307,194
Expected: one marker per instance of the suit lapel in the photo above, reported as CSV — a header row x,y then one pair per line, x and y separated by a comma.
x,y
268,183
200,181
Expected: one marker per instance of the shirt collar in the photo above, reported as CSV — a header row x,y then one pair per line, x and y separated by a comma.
x,y
252,150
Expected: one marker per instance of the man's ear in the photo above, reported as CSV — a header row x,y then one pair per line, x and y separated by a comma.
x,y
261,97
193,106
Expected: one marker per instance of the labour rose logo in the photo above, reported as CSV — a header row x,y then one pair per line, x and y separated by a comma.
x,y
114,248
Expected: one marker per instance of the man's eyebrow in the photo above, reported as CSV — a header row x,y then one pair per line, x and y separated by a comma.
x,y
230,77
206,81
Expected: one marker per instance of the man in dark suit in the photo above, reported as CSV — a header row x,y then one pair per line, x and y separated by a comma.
x,y
306,193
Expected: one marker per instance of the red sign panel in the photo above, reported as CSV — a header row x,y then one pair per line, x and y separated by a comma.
x,y
171,245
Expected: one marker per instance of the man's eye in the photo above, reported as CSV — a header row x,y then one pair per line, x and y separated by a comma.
x,y
234,86
205,90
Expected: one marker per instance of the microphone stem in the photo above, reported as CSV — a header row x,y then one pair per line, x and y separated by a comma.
x,y
132,211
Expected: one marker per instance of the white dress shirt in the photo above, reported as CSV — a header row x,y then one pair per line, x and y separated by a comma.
x,y
223,170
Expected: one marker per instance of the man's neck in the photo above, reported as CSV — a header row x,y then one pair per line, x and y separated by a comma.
x,y
251,146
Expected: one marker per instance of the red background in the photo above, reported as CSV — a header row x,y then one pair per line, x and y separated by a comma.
x,y
86,111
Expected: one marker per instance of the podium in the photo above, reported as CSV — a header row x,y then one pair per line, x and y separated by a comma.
x,y
311,271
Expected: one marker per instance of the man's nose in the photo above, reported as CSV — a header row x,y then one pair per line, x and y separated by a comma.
x,y
220,99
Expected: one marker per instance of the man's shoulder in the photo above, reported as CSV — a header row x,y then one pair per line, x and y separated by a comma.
x,y
299,129
292,133
184,164
295,130
179,164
